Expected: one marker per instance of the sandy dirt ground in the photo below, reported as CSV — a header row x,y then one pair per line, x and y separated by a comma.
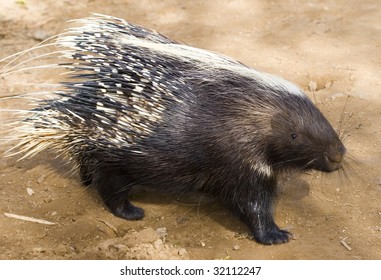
x,y
331,49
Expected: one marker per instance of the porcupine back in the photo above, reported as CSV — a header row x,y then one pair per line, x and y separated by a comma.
x,y
139,108
122,80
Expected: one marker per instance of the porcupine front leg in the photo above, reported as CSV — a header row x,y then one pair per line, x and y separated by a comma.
x,y
255,208
114,189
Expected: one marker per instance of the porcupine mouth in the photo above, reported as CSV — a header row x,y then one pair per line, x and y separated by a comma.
x,y
333,162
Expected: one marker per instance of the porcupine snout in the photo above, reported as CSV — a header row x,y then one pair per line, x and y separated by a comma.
x,y
334,157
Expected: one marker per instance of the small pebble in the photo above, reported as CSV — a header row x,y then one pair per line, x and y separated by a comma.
x,y
158,244
39,250
236,247
295,236
312,86
41,179
162,232
40,35
183,253
30,191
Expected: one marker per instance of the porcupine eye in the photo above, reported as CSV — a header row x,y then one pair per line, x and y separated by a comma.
x,y
294,136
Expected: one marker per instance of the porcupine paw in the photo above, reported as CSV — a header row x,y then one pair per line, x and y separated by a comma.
x,y
273,236
127,211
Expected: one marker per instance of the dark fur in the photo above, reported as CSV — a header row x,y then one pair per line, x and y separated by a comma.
x,y
207,143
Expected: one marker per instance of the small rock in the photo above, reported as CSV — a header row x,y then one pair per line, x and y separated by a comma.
x,y
328,85
39,250
202,244
242,235
148,235
48,199
312,86
183,253
30,191
106,230
158,244
162,232
311,223
295,236
62,250
72,249
41,179
236,247
150,252
120,247
40,35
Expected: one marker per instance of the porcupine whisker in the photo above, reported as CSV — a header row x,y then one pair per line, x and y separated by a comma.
x,y
345,125
343,135
354,159
287,161
308,163
349,166
291,160
341,119
344,172
349,131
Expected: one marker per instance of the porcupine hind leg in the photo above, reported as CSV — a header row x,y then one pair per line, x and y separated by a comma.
x,y
114,189
87,164
86,170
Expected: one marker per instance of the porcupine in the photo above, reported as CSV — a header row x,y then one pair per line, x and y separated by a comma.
x,y
142,109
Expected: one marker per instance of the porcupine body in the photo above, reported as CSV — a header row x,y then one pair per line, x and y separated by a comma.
x,y
141,109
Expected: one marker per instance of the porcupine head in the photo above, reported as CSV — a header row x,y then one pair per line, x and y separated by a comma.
x,y
141,109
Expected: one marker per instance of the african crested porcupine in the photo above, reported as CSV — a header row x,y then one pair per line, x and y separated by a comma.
x,y
142,109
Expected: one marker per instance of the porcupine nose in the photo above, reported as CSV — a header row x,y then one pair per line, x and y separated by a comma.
x,y
334,158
